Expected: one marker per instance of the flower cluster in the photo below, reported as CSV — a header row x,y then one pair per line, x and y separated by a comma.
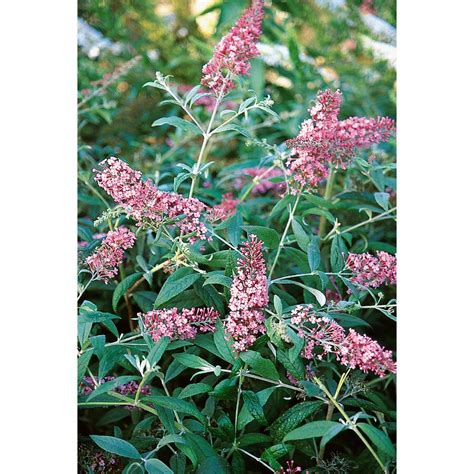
x,y
105,260
179,324
324,139
95,460
225,209
291,468
249,295
353,350
264,184
373,271
143,201
232,54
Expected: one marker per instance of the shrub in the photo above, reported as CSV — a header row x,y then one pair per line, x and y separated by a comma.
x,y
241,321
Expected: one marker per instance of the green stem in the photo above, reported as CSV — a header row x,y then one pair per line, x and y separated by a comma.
x,y
256,459
351,423
281,244
327,195
367,221
124,401
206,136
106,204
85,287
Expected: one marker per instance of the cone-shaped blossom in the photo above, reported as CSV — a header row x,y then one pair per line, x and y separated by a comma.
x,y
232,54
324,139
324,336
105,260
179,324
373,271
249,296
143,201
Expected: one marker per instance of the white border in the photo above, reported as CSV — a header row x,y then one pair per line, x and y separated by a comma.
x,y
38,189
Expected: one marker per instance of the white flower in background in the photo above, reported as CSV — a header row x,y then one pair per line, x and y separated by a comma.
x,y
381,50
331,4
279,55
380,27
92,41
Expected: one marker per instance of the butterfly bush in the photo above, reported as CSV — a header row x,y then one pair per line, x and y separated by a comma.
x,y
373,271
325,140
249,296
240,280
184,324
352,350
232,54
144,202
105,260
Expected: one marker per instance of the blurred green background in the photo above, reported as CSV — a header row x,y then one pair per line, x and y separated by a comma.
x,y
306,46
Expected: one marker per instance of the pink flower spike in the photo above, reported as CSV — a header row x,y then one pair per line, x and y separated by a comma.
x,y
373,271
144,202
325,140
325,336
179,324
232,54
105,260
249,296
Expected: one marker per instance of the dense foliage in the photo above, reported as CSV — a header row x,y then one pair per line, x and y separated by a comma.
x,y
237,265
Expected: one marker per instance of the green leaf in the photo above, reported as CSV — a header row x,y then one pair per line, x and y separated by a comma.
x,y
178,123
155,466
112,355
294,367
382,200
233,127
275,452
379,438
302,238
213,465
116,446
235,228
253,406
314,254
222,344
218,279
178,405
194,389
158,350
193,361
313,429
122,287
180,280
292,418
269,236
96,317
250,439
278,305
82,364
337,260
108,386
225,389
259,365
332,432
245,417
320,297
